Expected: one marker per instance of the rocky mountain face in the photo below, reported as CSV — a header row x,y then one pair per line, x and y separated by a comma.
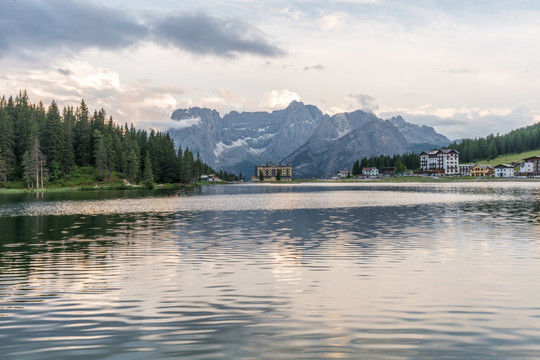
x,y
374,137
316,144
419,137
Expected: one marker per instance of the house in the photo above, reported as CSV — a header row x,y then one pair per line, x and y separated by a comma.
x,y
343,174
530,166
479,170
271,172
211,177
504,170
388,171
370,171
443,161
465,170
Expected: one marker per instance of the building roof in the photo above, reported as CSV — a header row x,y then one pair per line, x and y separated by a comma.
x,y
483,166
370,168
532,158
504,166
441,151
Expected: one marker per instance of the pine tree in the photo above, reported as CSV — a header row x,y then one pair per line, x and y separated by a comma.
x,y
52,136
148,177
187,167
261,175
133,169
82,136
197,167
356,168
7,145
100,155
69,152
278,175
3,169
35,166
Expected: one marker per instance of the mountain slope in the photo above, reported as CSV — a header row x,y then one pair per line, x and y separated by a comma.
x,y
239,141
372,138
316,144
419,137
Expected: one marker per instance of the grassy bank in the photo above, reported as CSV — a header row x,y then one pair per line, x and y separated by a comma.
x,y
85,178
509,158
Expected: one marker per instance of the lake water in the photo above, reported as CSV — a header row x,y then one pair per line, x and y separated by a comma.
x,y
308,271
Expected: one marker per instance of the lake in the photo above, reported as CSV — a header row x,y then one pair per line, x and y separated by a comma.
x,y
288,271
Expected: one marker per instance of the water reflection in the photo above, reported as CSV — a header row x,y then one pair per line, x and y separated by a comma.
x,y
418,279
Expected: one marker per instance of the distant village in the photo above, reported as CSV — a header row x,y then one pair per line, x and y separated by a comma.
x,y
446,162
442,162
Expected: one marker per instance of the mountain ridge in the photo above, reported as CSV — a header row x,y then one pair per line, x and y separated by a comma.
x,y
299,134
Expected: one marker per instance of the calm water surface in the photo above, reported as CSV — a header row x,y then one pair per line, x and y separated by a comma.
x,y
365,271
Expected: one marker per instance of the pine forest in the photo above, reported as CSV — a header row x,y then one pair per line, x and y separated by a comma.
x,y
42,146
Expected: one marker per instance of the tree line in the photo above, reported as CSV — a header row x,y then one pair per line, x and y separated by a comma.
x,y
516,141
39,145
400,162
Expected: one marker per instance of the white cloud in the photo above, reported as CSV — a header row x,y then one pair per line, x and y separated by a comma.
x,y
458,123
333,21
292,14
185,123
278,99
353,102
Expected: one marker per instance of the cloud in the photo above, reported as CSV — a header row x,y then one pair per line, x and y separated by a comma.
x,y
466,122
185,123
279,99
317,67
43,25
292,14
141,103
206,35
332,21
353,102
463,71
65,72
365,101
70,26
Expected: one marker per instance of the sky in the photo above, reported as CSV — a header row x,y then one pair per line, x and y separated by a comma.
x,y
467,68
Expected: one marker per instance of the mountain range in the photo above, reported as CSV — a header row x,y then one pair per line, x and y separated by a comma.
x,y
316,144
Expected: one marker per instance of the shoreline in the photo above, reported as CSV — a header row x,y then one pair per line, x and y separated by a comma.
x,y
296,181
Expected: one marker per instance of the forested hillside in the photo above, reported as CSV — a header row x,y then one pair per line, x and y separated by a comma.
x,y
40,145
516,141
400,162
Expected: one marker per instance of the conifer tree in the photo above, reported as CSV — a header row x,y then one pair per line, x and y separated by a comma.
x,y
148,177
35,166
82,136
100,155
132,171
187,167
52,136
7,144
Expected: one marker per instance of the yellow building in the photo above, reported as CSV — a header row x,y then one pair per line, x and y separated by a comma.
x,y
270,172
482,170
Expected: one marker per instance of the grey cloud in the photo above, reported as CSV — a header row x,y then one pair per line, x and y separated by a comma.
x,y
27,27
317,67
203,34
365,101
65,72
470,125
64,25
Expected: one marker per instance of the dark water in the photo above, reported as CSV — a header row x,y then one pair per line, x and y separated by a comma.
x,y
273,272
